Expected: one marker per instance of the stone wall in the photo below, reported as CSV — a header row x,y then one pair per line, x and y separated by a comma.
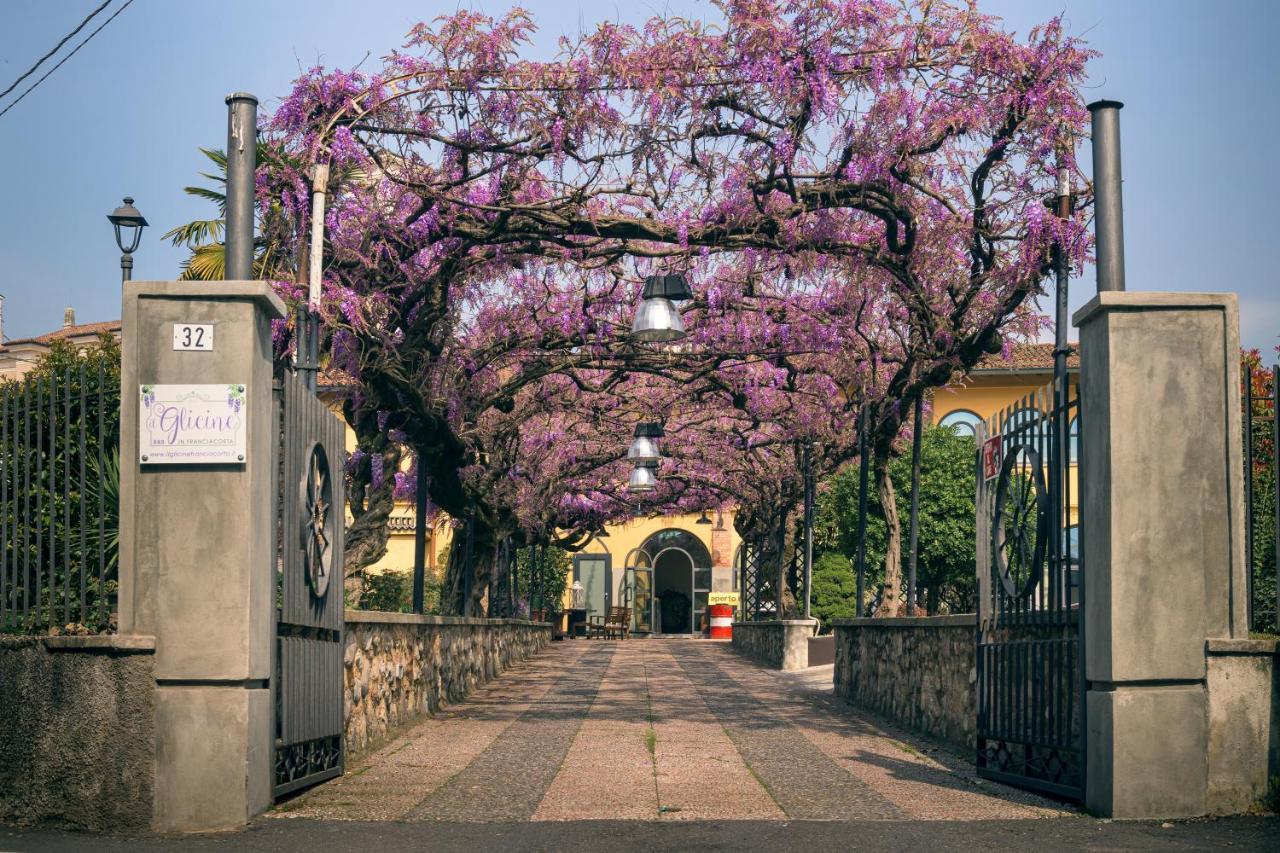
x,y
779,644
399,666
77,731
918,671
1244,722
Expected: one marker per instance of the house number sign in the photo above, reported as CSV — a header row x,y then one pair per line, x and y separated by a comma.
x,y
193,336
191,424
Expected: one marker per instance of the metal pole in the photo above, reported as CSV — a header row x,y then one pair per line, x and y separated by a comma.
x,y
126,267
1059,470
913,541
308,319
863,475
1248,488
1108,197
781,586
808,533
242,157
468,565
419,537
533,581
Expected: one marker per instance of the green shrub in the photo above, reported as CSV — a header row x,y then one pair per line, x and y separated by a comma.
x,y
834,589
392,592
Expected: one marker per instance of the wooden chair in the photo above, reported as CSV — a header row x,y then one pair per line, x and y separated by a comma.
x,y
619,623
616,623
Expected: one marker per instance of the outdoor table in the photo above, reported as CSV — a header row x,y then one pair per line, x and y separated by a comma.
x,y
577,622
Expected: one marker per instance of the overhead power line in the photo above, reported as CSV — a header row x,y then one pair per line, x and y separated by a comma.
x,y
65,58
57,47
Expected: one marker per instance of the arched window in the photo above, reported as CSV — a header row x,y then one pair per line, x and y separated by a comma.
x,y
683,539
1073,440
961,422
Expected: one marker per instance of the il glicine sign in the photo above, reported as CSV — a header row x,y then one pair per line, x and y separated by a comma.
x,y
191,424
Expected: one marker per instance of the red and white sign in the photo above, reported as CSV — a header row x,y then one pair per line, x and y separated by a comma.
x,y
991,458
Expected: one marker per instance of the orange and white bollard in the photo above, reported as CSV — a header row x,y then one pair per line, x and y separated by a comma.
x,y
721,621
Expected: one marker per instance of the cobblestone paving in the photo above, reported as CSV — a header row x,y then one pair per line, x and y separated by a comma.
x,y
658,730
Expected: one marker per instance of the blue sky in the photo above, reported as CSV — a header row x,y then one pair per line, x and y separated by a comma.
x,y
128,112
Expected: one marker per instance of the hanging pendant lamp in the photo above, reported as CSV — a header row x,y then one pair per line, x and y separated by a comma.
x,y
643,479
643,449
657,320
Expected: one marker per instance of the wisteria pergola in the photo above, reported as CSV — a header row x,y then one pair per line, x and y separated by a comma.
x,y
855,189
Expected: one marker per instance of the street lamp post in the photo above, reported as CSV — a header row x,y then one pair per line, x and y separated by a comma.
x,y
128,222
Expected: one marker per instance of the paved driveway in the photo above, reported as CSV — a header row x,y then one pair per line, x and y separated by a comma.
x,y
658,730
655,746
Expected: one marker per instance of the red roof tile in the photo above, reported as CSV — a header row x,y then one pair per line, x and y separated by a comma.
x,y
1028,357
81,330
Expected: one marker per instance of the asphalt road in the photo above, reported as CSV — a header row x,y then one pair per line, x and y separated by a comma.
x,y
1041,836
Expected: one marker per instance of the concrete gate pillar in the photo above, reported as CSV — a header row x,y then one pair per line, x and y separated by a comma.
x,y
1161,504
196,562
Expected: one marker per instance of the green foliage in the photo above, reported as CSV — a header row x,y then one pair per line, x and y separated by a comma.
x,y
550,575
59,450
392,592
275,228
835,589
946,565
1263,481
1271,799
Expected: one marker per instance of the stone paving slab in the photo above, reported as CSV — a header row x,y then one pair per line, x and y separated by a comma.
x,y
508,780
608,768
920,785
700,773
804,782
387,783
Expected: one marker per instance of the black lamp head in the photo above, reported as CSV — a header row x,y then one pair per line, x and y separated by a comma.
x,y
648,429
128,222
674,287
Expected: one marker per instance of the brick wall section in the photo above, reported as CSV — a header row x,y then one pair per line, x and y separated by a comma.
x,y
920,672
398,666
77,732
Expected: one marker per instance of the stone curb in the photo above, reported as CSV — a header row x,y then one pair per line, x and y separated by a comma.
x,y
385,617
908,621
1242,647
123,643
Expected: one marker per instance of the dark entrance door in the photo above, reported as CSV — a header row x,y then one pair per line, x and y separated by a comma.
x,y
673,589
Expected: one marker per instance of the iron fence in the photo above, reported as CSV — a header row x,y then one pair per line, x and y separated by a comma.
x,y
59,500
1259,399
755,583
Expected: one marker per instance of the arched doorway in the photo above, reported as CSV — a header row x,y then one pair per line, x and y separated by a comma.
x,y
666,583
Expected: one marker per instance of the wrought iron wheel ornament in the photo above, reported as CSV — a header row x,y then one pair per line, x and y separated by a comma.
x,y
1020,526
317,520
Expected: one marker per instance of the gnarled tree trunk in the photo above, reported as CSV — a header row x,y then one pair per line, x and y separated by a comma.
x,y
890,598
370,506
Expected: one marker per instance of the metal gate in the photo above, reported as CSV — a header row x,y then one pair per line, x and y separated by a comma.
x,y
1030,634
309,585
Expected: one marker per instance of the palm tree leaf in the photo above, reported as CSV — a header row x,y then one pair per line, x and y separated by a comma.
x,y
195,234
215,196
207,263
218,156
